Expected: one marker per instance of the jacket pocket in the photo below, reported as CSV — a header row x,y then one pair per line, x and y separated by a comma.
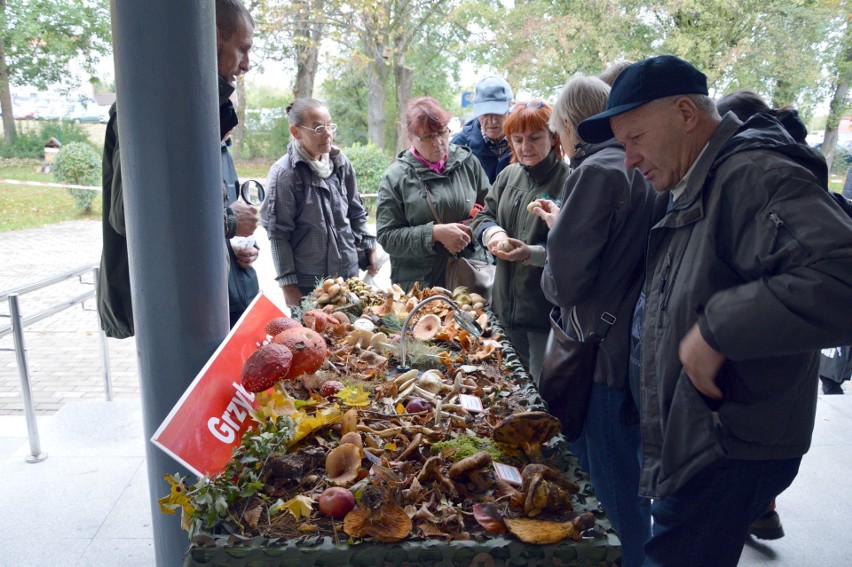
x,y
784,236
692,436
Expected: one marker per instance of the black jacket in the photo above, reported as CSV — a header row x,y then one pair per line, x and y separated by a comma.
x,y
471,136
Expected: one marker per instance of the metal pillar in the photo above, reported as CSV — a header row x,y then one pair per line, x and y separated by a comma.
x,y
169,138
35,456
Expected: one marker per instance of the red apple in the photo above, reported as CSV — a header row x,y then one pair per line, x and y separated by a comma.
x,y
336,502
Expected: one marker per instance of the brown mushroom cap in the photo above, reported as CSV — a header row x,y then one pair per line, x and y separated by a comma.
x,y
343,463
427,327
389,523
527,430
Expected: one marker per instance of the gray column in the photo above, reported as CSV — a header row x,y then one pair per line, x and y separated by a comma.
x,y
165,60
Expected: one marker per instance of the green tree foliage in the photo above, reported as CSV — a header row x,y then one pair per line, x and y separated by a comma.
x,y
38,39
78,163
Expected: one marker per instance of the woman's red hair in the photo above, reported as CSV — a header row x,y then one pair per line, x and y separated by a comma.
x,y
525,118
424,116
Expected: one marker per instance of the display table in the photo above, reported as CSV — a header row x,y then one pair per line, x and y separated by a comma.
x,y
598,546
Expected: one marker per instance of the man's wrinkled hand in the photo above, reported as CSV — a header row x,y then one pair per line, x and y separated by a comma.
x,y
247,218
701,363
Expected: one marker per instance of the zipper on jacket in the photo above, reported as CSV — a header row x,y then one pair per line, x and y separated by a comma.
x,y
779,226
667,267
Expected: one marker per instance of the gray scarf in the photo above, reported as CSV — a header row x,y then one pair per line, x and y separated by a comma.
x,y
322,167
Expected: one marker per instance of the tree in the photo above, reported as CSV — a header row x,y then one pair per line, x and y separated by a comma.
x,y
841,73
39,38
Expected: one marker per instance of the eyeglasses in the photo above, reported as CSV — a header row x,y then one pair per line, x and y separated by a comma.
x,y
536,103
430,138
322,129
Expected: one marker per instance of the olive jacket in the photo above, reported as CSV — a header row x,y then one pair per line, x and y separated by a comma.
x,y
404,220
759,256
517,298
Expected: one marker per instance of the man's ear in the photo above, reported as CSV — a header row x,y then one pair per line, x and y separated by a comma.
x,y
687,113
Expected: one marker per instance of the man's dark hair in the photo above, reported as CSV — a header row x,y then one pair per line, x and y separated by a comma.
x,y
228,14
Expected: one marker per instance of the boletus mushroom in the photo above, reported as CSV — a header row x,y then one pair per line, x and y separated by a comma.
x,y
527,431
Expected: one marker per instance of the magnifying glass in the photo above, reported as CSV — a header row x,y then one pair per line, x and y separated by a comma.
x,y
252,192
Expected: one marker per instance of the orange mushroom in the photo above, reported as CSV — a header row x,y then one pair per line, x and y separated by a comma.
x,y
528,431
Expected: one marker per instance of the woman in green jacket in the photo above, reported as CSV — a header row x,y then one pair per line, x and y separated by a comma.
x,y
518,238
418,243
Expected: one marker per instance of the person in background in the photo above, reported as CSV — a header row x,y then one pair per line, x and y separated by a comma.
x,y
516,237
609,74
313,212
835,367
483,134
430,170
234,31
748,275
594,255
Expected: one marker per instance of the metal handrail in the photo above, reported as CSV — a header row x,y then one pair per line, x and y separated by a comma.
x,y
16,328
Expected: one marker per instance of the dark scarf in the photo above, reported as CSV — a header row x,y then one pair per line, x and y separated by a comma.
x,y
227,115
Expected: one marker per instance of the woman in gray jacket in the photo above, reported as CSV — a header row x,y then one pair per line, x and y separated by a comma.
x,y
313,213
594,250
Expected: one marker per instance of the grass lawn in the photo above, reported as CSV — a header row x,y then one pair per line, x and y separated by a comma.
x,y
24,206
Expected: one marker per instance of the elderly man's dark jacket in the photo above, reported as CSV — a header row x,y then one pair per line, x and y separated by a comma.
x,y
757,253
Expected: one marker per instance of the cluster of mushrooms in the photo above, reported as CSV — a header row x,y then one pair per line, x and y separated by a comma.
x,y
405,455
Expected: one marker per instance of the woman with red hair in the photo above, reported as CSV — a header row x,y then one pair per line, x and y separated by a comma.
x,y
518,238
427,198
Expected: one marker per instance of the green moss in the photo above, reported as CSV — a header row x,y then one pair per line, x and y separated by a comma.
x,y
464,446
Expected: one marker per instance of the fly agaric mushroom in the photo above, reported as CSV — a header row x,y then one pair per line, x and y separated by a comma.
x,y
426,328
528,431
343,463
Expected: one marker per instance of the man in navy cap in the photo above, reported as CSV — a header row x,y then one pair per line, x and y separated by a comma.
x,y
748,275
483,134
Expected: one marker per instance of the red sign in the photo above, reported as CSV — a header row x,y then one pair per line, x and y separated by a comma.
x,y
210,418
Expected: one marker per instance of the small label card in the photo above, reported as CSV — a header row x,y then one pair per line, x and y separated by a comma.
x,y
508,473
470,403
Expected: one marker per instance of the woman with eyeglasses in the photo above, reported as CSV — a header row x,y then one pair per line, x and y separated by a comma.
x,y
427,198
518,238
313,212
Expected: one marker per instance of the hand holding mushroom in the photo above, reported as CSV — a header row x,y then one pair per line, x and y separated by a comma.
x,y
545,209
510,249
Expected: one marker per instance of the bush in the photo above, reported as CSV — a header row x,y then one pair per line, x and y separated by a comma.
x,y
369,163
78,163
266,134
29,143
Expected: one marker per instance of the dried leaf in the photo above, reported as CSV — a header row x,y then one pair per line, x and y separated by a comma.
x,y
307,424
299,506
428,529
541,532
490,518
252,516
388,523
354,396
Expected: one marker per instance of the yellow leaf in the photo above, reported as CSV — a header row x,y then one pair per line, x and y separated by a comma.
x,y
390,447
307,424
299,506
278,403
177,497
354,396
400,409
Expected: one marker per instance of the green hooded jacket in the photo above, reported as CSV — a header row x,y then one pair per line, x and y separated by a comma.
x,y
404,220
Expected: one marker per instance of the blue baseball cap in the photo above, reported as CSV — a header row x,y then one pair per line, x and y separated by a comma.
x,y
493,95
640,83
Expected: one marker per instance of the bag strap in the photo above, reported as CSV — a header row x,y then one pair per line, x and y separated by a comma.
x,y
607,318
431,202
